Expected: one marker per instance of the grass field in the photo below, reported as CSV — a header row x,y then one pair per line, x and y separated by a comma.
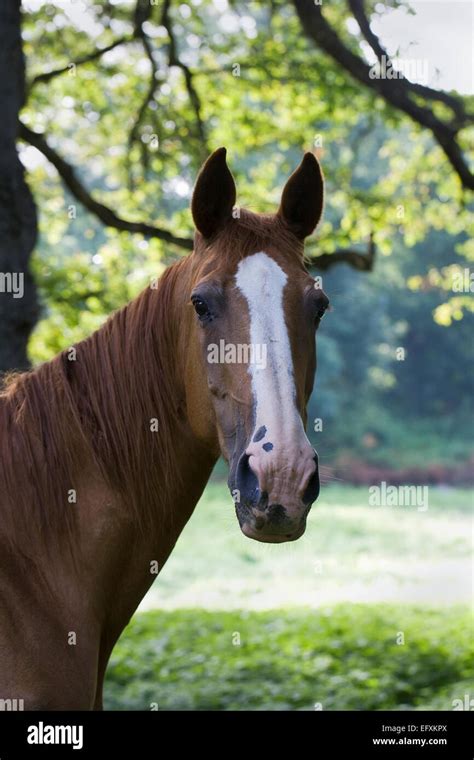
x,y
350,552
369,610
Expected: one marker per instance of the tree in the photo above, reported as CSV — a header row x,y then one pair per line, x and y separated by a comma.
x,y
138,92
18,303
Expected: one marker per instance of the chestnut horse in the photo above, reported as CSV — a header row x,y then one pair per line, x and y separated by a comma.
x,y
106,449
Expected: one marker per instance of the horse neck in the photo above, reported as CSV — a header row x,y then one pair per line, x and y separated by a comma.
x,y
85,422
158,471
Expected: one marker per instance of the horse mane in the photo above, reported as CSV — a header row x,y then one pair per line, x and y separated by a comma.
x,y
97,409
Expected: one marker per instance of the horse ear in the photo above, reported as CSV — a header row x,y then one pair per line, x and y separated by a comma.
x,y
302,198
214,195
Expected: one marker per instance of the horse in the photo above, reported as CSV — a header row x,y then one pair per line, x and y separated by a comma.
x,y
107,448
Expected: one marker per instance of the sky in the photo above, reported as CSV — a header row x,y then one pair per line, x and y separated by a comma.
x,y
440,36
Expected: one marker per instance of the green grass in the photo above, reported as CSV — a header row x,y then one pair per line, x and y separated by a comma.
x,y
350,552
338,658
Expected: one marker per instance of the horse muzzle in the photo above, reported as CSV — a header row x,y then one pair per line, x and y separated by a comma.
x,y
273,498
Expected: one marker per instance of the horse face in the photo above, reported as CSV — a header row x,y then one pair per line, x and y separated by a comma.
x,y
256,313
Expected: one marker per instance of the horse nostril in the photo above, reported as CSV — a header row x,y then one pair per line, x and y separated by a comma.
x,y
312,489
247,481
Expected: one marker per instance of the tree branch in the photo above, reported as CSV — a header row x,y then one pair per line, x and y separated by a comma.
x,y
106,215
149,96
143,10
456,104
174,60
396,92
98,53
363,262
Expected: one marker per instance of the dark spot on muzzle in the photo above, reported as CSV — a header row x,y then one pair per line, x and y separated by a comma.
x,y
261,433
267,446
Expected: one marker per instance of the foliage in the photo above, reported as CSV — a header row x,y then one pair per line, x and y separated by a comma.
x,y
264,91
268,94
340,658
393,408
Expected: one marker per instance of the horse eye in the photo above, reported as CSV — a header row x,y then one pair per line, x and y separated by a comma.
x,y
200,307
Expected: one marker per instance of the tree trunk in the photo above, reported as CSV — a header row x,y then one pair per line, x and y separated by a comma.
x,y
18,223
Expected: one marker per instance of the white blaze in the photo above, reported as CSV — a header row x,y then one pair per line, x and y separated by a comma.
x,y
262,282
